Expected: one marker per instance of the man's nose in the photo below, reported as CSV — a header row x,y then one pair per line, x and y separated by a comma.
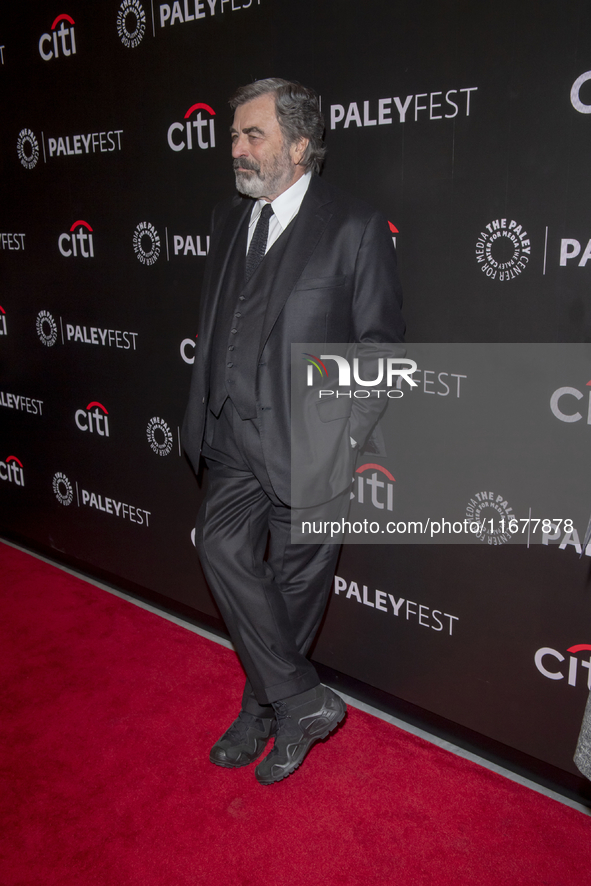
x,y
239,147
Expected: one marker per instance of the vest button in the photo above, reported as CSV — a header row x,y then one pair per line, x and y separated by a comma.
x,y
229,365
233,331
238,314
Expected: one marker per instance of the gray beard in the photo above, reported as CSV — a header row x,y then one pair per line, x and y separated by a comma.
x,y
276,180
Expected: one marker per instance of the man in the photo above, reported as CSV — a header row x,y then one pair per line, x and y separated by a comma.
x,y
292,260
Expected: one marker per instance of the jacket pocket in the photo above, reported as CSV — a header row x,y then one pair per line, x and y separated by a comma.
x,y
333,408
320,282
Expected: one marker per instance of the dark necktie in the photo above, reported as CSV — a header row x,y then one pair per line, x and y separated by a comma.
x,y
258,244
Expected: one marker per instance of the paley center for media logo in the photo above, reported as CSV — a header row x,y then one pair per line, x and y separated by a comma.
x,y
159,436
388,370
63,490
131,23
198,133
146,243
82,232
3,326
46,328
503,250
49,45
27,148
493,516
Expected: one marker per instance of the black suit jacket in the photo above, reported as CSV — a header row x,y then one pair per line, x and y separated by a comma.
x,y
337,282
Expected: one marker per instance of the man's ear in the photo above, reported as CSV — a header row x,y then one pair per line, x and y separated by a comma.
x,y
298,149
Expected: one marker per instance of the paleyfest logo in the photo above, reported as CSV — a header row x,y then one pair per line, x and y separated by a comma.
x,y
388,370
146,243
46,328
3,329
503,250
27,148
131,23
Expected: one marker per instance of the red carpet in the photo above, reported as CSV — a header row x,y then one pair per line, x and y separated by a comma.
x,y
108,714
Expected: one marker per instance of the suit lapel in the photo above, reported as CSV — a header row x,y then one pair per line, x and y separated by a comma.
x,y
309,225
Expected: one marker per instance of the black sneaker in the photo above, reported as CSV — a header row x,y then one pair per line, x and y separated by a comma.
x,y
243,742
301,721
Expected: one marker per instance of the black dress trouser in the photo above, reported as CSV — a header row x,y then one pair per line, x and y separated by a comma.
x,y
272,594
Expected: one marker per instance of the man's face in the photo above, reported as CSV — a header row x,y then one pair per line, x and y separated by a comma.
x,y
263,164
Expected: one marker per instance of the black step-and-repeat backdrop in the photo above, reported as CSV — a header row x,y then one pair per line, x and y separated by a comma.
x,y
469,126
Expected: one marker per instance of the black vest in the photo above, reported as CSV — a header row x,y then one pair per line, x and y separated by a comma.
x,y
239,323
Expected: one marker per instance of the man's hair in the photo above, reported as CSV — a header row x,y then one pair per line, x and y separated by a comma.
x,y
298,113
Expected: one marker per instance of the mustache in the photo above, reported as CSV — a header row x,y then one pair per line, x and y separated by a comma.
x,y
243,163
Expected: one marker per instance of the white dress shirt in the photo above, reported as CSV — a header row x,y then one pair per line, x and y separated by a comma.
x,y
285,208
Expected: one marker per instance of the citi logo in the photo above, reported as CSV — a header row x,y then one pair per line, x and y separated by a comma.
x,y
188,356
547,661
67,242
93,419
393,230
131,23
575,98
67,39
11,471
146,243
46,328
3,329
27,148
379,492
559,406
204,134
